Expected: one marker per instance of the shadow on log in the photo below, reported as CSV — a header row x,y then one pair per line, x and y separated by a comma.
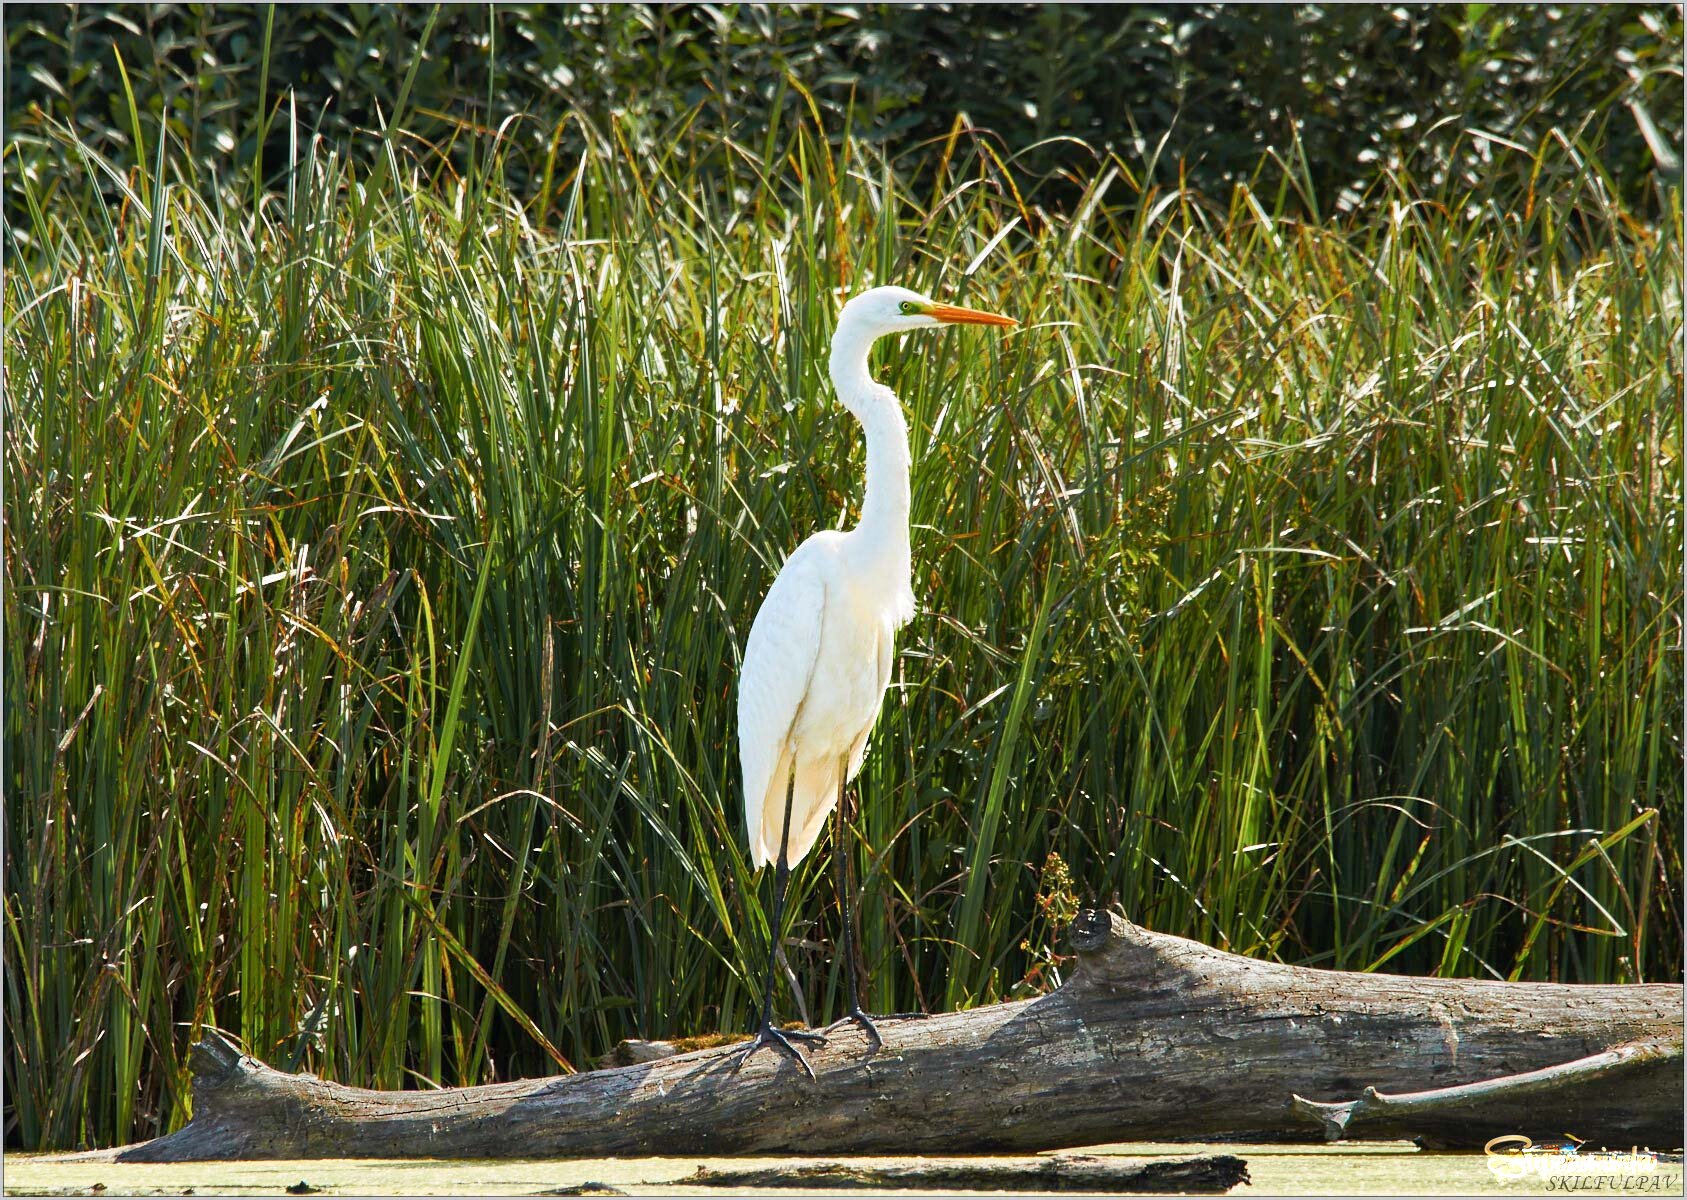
x,y
1153,1038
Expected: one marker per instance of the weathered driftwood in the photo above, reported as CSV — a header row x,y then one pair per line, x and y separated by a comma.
x,y
1570,1092
1153,1037
1104,1174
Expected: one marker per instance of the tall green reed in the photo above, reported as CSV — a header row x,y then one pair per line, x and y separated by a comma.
x,y
380,556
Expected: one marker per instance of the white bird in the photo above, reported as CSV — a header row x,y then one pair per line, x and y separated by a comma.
x,y
819,655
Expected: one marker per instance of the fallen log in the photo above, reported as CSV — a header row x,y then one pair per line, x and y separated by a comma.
x,y
1153,1037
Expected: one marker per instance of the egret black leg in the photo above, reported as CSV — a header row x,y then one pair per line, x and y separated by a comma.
x,y
767,1035
846,918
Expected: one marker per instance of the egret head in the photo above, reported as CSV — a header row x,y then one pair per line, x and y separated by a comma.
x,y
883,310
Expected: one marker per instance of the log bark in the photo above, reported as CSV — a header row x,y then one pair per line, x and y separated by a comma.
x,y
1152,1038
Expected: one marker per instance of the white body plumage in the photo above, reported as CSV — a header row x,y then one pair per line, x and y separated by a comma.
x,y
819,655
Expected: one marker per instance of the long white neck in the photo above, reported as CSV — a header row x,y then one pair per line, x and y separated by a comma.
x,y
884,511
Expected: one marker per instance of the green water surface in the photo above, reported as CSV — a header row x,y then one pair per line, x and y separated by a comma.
x,y
1379,1168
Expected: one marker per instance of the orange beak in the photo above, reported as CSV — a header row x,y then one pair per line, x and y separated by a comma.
x,y
951,314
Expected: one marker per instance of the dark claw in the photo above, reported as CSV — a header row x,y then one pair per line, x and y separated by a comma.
x,y
767,1035
857,1017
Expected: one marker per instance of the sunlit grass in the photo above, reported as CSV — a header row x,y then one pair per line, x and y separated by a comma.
x,y
379,559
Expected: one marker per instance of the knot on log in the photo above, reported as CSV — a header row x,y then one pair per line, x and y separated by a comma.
x,y
1116,955
1097,929
215,1059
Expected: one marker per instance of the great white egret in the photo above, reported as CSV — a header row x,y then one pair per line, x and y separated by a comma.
x,y
819,655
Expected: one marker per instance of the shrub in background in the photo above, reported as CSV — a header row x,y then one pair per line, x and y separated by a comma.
x,y
1200,91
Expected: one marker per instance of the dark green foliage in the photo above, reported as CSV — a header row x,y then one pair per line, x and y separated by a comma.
x,y
1344,91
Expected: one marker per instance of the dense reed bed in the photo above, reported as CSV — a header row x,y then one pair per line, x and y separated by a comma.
x,y
379,551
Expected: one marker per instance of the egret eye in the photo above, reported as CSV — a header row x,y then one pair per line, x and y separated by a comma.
x,y
907,306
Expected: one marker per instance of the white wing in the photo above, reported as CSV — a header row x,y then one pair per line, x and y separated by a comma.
x,y
779,663
886,653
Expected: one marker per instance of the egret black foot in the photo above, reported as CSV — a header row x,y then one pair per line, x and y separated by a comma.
x,y
857,1017
767,1035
